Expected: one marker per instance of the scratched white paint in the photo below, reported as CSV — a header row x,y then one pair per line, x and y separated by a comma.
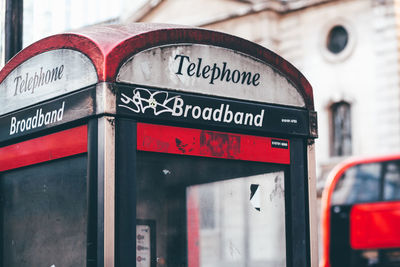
x,y
162,67
27,84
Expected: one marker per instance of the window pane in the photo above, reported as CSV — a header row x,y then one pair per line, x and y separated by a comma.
x,y
337,40
212,212
341,129
358,184
392,181
207,206
249,233
44,214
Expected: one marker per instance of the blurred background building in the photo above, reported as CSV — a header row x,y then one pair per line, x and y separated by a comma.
x,y
348,50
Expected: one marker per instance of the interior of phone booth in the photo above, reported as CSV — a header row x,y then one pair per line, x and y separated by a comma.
x,y
210,211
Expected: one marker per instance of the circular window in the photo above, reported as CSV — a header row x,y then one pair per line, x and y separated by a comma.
x,y
337,39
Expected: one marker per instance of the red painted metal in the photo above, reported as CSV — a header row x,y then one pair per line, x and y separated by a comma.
x,y
108,47
375,225
195,142
331,182
61,41
53,146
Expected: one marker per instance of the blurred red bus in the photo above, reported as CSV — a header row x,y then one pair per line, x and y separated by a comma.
x,y
361,213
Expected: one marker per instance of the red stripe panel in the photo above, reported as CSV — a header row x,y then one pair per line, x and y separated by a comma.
x,y
194,142
375,225
53,146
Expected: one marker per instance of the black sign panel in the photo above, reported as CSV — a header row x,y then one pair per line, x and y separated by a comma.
x,y
183,107
39,117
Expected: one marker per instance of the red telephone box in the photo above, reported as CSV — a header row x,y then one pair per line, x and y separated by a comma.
x,y
153,145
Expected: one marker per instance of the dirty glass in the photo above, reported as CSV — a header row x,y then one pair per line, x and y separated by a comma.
x,y
43,218
211,212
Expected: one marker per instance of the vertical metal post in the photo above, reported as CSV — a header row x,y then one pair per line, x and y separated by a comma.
x,y
13,28
299,254
105,104
95,197
312,202
106,192
125,193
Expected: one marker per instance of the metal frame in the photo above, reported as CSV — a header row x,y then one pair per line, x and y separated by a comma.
x,y
298,226
125,215
300,255
28,157
95,197
312,203
106,187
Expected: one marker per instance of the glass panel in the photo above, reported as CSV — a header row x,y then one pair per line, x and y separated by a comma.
x,y
239,232
360,183
44,214
212,212
392,181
